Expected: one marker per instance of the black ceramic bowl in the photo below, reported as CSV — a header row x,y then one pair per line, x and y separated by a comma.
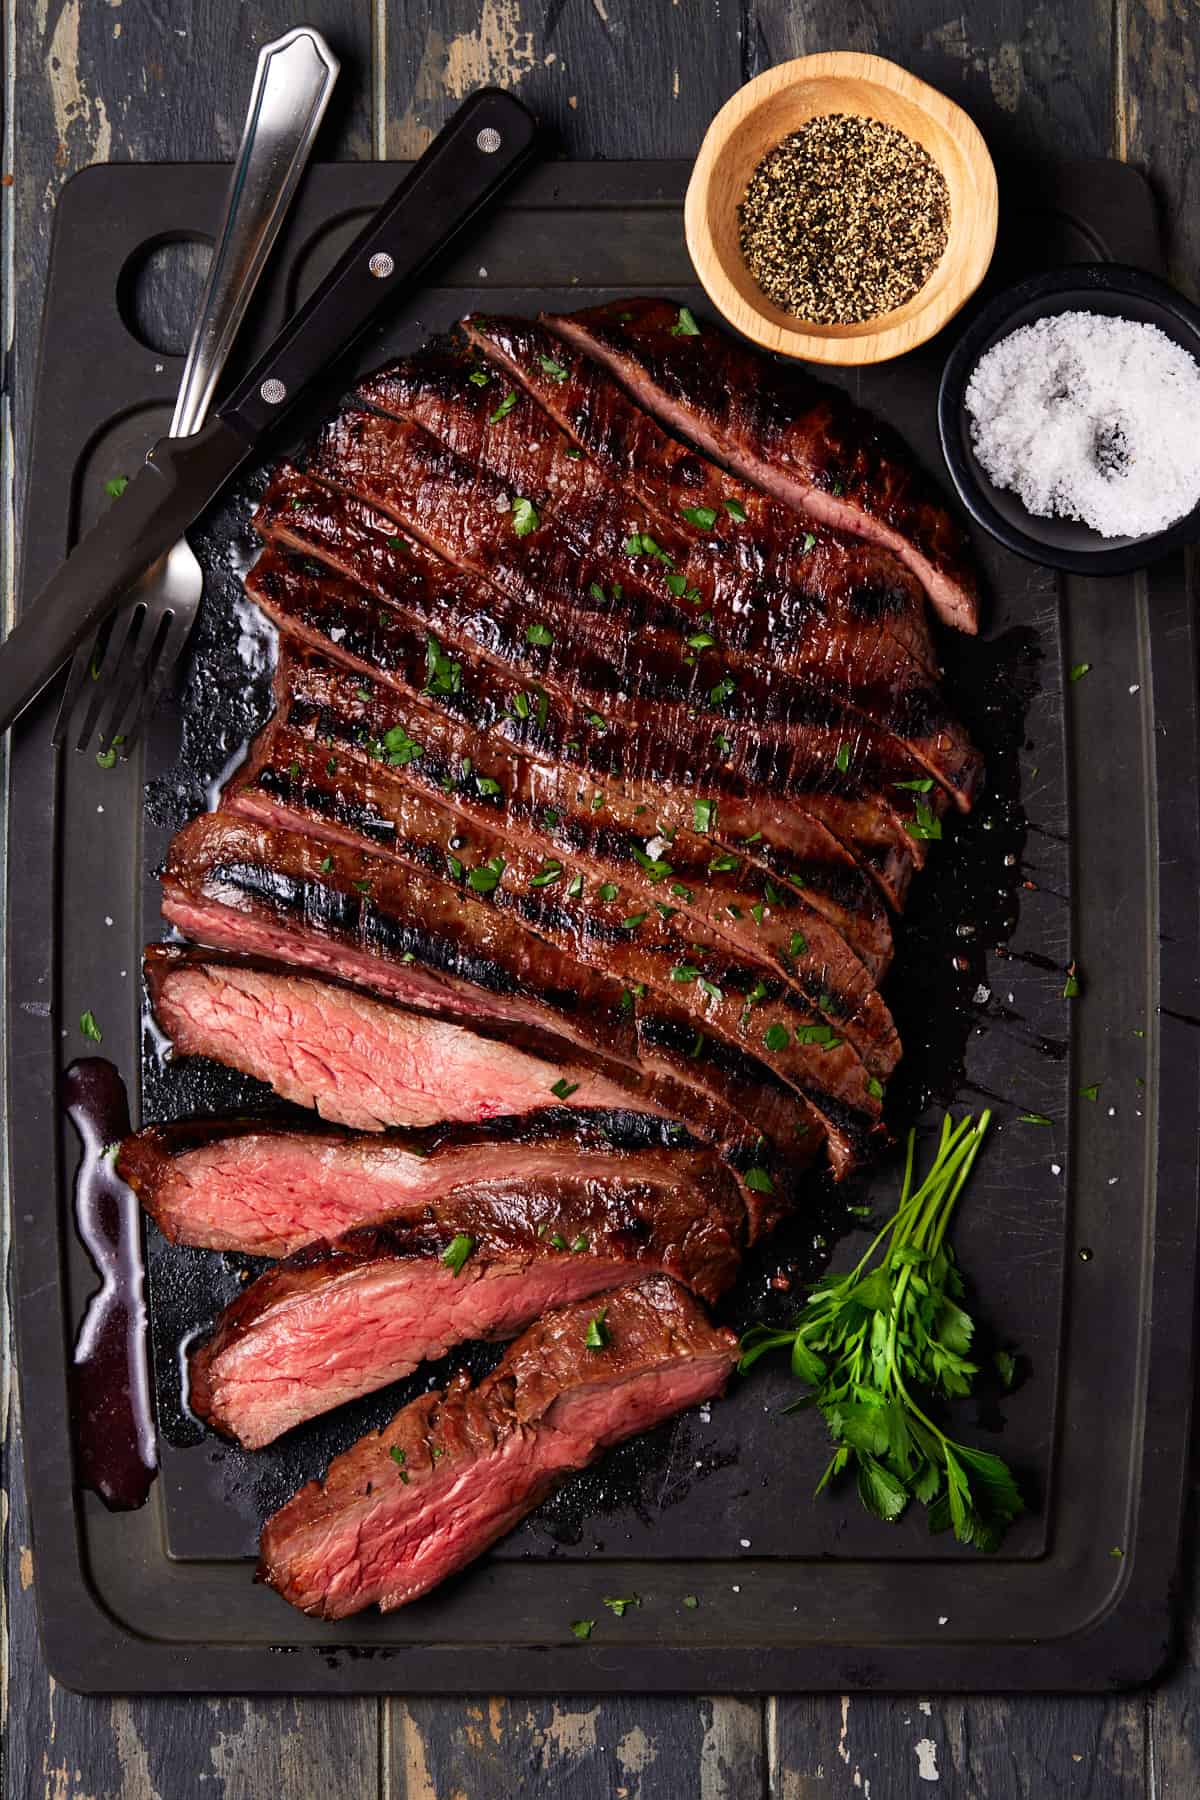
x,y
1085,287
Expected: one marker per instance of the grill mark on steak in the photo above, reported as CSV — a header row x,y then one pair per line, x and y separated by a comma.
x,y
821,606
366,804
538,959
334,1322
236,885
799,438
543,750
826,758
477,1460
268,1191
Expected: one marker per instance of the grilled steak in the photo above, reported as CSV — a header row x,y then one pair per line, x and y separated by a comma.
x,y
268,1191
422,939
840,613
602,650
337,1321
410,1505
795,436
358,1061
390,812
558,748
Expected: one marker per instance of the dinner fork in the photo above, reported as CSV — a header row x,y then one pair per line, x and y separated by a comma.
x,y
130,660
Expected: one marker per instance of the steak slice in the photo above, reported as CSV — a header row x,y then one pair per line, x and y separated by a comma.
x,y
601,650
559,747
799,438
286,783
267,1191
237,886
358,1061
336,1321
411,1504
405,933
824,613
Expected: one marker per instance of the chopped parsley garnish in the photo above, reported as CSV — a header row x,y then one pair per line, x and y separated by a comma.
x,y
326,865
504,408
642,544
364,887
455,866
399,1457
597,1337
537,633
691,1602
457,1251
633,921
620,1604
922,786
551,870
442,675
875,1088
1078,671
797,944
363,693
608,891
395,541
842,759
776,1037
735,509
575,887
809,540
331,766
723,691
685,325
702,517
678,586
683,972
563,1089
1090,1093
582,1627
925,825
722,864
1032,1118
524,517
487,784
399,748
554,369
485,878
479,377
89,1027
116,487
704,814
1071,985
654,866
601,724
822,1035
596,591
580,1244
758,1181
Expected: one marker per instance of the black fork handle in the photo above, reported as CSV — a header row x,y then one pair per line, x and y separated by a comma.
x,y
487,141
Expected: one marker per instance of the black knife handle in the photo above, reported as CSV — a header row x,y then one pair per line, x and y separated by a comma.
x,y
489,138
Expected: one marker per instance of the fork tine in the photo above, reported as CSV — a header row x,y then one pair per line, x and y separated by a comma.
x,y
172,645
130,679
86,658
125,630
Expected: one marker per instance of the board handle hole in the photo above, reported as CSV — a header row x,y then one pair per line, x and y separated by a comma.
x,y
158,291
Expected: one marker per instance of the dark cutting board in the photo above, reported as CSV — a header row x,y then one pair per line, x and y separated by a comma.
x,y
1079,1234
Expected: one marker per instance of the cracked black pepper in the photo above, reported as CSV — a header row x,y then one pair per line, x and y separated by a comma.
x,y
846,219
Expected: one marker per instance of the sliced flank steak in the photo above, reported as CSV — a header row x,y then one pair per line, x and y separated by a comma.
x,y
777,425
269,1190
563,749
414,1503
339,1320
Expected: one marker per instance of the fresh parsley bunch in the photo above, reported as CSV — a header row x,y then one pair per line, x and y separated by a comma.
x,y
868,1343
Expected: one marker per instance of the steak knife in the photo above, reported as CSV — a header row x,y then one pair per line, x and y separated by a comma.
x,y
489,138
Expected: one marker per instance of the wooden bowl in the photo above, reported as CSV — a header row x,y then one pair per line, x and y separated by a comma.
x,y
764,112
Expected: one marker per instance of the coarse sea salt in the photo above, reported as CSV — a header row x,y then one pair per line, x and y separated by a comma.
x,y
1090,418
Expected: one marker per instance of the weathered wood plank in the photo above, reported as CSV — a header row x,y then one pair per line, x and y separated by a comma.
x,y
610,77
98,83
1035,80
628,1749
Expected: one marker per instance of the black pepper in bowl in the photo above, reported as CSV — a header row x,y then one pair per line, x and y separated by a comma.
x,y
845,220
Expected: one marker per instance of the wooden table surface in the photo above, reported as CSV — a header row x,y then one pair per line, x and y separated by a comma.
x,y
166,80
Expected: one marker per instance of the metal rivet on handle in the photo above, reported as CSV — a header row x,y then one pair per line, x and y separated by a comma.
x,y
489,140
273,391
381,264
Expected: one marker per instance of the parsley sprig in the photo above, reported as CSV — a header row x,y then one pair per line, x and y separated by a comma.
x,y
867,1343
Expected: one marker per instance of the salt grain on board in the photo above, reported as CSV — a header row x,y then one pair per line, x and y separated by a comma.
x,y
1090,418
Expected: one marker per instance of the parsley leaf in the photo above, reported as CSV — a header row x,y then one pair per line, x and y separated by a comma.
x,y
524,517
563,1089
457,1251
685,325
116,487
1078,671
703,517
597,1337
537,633
89,1027
582,1628
504,408
554,369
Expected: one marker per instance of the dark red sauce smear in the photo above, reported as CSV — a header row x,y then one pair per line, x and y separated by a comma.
x,y
115,1440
